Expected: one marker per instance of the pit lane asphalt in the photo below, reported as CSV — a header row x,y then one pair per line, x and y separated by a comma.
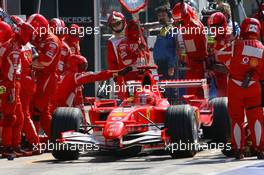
x,y
204,163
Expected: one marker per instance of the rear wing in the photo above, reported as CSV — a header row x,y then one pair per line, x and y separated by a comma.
x,y
193,83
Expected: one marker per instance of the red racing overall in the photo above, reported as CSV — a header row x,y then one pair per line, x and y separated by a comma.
x,y
243,57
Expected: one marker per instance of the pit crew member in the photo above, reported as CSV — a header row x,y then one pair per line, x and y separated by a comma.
x,y
244,58
58,27
28,88
221,36
191,43
12,52
49,48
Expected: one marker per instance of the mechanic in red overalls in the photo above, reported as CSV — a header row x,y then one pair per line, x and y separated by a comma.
x,y
76,76
191,42
58,27
12,53
244,58
73,40
28,88
125,48
221,37
49,48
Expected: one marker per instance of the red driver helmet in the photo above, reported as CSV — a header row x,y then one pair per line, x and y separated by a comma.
x,y
57,27
40,24
250,28
145,97
215,21
6,32
183,13
117,22
77,63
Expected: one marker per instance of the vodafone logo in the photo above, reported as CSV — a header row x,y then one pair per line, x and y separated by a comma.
x,y
245,60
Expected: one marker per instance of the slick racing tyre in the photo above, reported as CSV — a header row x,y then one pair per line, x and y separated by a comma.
x,y
221,126
65,119
182,125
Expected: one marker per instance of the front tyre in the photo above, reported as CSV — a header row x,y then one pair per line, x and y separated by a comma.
x,y
65,119
182,125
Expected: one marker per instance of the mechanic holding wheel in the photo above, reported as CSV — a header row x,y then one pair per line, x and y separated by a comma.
x,y
244,59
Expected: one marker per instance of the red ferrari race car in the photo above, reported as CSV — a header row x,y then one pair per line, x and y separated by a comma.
x,y
143,122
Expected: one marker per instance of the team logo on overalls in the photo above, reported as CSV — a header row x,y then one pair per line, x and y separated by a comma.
x,y
245,60
253,62
28,55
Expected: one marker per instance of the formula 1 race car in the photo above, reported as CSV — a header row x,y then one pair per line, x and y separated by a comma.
x,y
143,122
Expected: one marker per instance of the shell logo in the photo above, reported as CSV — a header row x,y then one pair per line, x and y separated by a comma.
x,y
28,55
253,62
119,114
148,113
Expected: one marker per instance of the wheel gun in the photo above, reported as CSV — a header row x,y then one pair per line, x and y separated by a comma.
x,y
247,79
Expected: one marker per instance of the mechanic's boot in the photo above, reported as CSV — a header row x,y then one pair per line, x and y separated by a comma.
x,y
239,154
8,152
260,155
20,152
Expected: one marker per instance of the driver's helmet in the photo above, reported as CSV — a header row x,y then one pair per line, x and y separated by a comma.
x,y
145,97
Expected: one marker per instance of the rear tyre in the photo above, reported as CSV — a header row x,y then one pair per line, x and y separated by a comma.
x,y
221,126
220,131
182,125
65,119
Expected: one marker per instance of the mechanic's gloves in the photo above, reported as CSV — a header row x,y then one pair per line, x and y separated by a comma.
x,y
2,90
